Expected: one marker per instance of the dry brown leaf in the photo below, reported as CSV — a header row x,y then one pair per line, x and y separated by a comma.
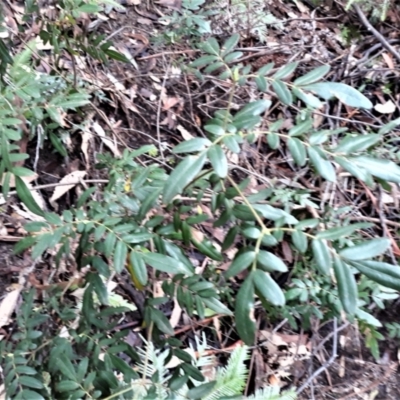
x,y
72,178
86,136
176,314
106,140
185,134
8,305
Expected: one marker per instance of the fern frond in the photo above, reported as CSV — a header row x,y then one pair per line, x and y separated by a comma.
x,y
232,379
273,393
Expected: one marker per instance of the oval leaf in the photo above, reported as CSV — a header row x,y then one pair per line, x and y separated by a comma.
x,y
322,255
268,288
218,160
323,167
244,311
366,250
347,286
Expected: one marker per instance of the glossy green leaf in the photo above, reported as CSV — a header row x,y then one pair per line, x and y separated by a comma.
x,y
208,249
30,382
211,46
232,144
233,56
268,288
265,69
302,128
99,288
253,109
240,263
351,144
312,76
342,231
322,255
274,214
389,126
67,386
323,167
204,60
297,150
383,169
244,311
218,160
346,94
165,263
308,98
230,44
385,274
26,197
270,262
215,305
283,93
299,240
182,175
161,321
261,82
286,70
354,169
273,140
366,250
347,286
214,67
139,267
215,129
195,144
120,254
139,237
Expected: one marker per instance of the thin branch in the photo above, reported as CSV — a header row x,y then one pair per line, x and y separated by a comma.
x,y
376,33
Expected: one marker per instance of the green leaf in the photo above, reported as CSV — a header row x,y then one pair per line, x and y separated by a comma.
x,y
265,69
215,305
261,83
139,237
218,160
385,274
383,169
230,44
268,288
22,171
30,382
342,231
297,150
204,60
165,263
354,169
300,129
199,392
253,109
283,93
196,144
286,70
67,386
366,250
244,311
347,286
120,253
240,263
368,318
211,46
214,67
161,321
30,395
182,175
322,255
312,76
26,197
116,55
139,267
215,129
233,56
89,8
346,94
323,167
270,262
358,143
389,126
307,98
299,240
273,140
232,144
24,369
99,287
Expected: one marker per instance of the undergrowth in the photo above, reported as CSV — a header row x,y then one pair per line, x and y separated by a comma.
x,y
145,224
